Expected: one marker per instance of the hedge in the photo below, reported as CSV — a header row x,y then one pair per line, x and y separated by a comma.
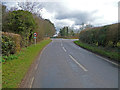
x,y
106,36
10,43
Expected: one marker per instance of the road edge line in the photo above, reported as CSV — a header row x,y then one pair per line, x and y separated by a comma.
x,y
32,82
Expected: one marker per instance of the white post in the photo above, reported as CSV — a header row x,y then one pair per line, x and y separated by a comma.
x,y
35,37
35,41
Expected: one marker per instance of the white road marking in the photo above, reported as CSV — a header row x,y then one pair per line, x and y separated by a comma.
x,y
102,58
78,63
64,49
107,60
36,67
32,82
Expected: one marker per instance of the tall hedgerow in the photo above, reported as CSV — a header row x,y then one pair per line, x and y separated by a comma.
x,y
106,36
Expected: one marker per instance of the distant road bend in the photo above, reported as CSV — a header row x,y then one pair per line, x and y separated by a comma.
x,y
63,64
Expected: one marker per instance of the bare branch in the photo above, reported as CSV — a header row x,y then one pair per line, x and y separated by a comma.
x,y
33,7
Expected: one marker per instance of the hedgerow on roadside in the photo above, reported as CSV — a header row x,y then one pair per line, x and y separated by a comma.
x,y
106,36
8,46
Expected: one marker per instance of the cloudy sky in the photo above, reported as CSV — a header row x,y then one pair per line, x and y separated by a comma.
x,y
74,12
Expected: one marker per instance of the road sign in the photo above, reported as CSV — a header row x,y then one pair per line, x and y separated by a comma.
x,y
35,34
34,37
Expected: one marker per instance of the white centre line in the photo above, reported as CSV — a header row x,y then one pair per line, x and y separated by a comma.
x,y
32,82
64,49
78,63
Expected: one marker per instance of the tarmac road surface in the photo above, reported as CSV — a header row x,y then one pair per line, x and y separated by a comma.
x,y
63,64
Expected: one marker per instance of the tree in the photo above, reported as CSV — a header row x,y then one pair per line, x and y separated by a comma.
x,y
4,16
64,31
33,7
3,9
13,9
21,22
72,33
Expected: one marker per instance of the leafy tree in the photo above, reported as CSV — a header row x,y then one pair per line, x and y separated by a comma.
x,y
21,22
64,31
72,33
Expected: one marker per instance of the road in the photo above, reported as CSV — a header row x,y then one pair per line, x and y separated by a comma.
x,y
63,64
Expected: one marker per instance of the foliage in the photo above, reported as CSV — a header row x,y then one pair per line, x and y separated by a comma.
x,y
44,28
25,24
10,57
8,46
3,9
21,22
49,28
64,31
13,71
16,38
101,36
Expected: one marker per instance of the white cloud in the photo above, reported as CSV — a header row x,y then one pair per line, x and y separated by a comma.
x,y
47,15
96,12
65,22
103,11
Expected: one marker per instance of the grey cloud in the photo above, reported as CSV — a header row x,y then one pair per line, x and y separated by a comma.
x,y
77,16
62,12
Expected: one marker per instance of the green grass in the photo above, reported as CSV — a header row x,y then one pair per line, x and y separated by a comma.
x,y
100,50
13,71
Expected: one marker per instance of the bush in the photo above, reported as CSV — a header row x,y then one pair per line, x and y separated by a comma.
x,y
16,38
11,57
8,46
21,22
101,36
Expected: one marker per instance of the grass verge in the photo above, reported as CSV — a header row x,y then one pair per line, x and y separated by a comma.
x,y
13,71
106,53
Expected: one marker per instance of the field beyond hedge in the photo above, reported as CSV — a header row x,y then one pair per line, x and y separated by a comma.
x,y
13,71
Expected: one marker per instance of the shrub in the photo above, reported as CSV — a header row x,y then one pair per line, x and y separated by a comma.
x,y
21,22
16,38
8,46
11,57
101,36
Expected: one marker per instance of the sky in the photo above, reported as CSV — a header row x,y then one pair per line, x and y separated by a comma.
x,y
73,13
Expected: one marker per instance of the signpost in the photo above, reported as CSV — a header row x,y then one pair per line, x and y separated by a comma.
x,y
35,36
